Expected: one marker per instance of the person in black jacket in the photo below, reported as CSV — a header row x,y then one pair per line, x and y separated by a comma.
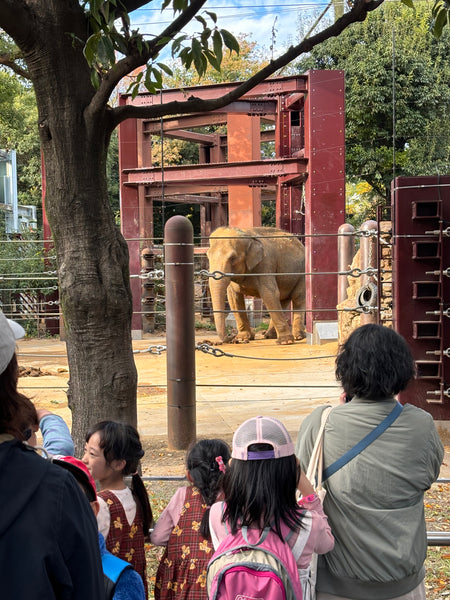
x,y
48,534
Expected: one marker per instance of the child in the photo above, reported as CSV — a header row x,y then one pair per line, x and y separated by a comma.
x,y
120,579
183,525
260,491
112,452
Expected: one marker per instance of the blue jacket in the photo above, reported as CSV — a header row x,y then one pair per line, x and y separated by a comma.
x,y
121,580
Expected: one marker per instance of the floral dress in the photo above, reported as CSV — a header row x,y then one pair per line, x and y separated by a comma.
x,y
182,571
124,540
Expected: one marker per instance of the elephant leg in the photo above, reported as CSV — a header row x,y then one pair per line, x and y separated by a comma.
x,y
271,333
237,305
298,306
271,297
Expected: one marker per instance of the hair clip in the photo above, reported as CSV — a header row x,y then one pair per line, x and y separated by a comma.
x,y
219,461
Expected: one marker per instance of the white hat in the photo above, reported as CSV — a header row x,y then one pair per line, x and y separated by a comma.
x,y
9,333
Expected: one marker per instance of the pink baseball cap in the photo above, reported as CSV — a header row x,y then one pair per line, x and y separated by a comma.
x,y
262,430
81,473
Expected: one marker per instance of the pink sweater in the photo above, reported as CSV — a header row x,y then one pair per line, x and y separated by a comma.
x,y
168,518
320,540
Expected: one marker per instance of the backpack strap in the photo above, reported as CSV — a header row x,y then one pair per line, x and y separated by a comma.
x,y
362,445
261,539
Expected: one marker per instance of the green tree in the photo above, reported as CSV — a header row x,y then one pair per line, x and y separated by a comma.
x,y
75,53
367,52
18,131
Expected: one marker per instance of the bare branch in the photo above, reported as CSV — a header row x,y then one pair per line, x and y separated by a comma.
x,y
127,65
358,13
5,59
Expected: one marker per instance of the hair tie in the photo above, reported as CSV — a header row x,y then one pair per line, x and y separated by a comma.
x,y
135,473
219,461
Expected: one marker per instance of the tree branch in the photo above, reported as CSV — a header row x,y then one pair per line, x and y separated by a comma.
x,y
5,59
358,13
15,19
127,65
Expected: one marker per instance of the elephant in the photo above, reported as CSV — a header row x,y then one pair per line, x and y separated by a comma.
x,y
265,253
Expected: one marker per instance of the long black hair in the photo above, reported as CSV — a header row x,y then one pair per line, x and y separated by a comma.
x,y
17,412
120,441
374,363
204,462
262,493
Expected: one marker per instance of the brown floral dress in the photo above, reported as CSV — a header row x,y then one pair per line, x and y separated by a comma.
x,y
182,571
124,540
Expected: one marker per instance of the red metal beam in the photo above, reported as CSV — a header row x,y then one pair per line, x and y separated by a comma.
x,y
191,136
295,101
277,85
253,173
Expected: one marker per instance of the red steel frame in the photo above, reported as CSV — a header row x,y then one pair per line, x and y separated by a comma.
x,y
421,212
307,176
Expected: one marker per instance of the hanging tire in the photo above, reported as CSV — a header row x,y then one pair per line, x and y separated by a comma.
x,y
367,295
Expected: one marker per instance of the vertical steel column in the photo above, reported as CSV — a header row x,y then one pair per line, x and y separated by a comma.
x,y
325,191
179,277
346,252
129,210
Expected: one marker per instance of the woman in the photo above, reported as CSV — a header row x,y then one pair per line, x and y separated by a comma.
x,y
375,502
48,535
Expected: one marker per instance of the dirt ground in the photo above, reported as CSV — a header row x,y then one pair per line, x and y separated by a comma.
x,y
260,377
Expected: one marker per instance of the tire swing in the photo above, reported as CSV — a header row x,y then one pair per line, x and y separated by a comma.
x,y
367,296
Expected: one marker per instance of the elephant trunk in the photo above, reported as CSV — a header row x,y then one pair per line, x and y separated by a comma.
x,y
218,289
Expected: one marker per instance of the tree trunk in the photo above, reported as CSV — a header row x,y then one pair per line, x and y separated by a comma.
x,y
92,255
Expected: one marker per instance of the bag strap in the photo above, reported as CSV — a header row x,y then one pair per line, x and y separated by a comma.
x,y
314,470
366,441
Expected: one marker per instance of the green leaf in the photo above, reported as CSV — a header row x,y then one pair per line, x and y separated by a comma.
x,y
206,33
165,4
90,49
109,49
409,3
95,79
201,20
165,68
197,54
119,42
439,22
179,5
230,41
211,15
217,43
158,78
212,59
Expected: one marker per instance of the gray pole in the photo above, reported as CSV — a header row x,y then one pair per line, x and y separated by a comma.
x,y
346,253
179,280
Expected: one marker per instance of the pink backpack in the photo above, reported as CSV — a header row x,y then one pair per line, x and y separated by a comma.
x,y
250,566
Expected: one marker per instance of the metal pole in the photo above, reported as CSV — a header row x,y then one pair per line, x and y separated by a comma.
x,y
346,253
368,292
180,328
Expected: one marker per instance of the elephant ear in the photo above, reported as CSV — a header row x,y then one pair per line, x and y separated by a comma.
x,y
255,254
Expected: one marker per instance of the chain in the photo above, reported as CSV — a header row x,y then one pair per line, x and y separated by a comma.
x,y
152,350
355,272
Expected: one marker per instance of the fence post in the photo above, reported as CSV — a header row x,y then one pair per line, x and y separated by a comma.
x,y
180,332
367,295
346,253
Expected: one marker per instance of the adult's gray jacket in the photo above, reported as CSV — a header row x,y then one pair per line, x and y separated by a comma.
x,y
374,503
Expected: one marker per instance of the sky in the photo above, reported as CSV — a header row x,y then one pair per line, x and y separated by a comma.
x,y
262,20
